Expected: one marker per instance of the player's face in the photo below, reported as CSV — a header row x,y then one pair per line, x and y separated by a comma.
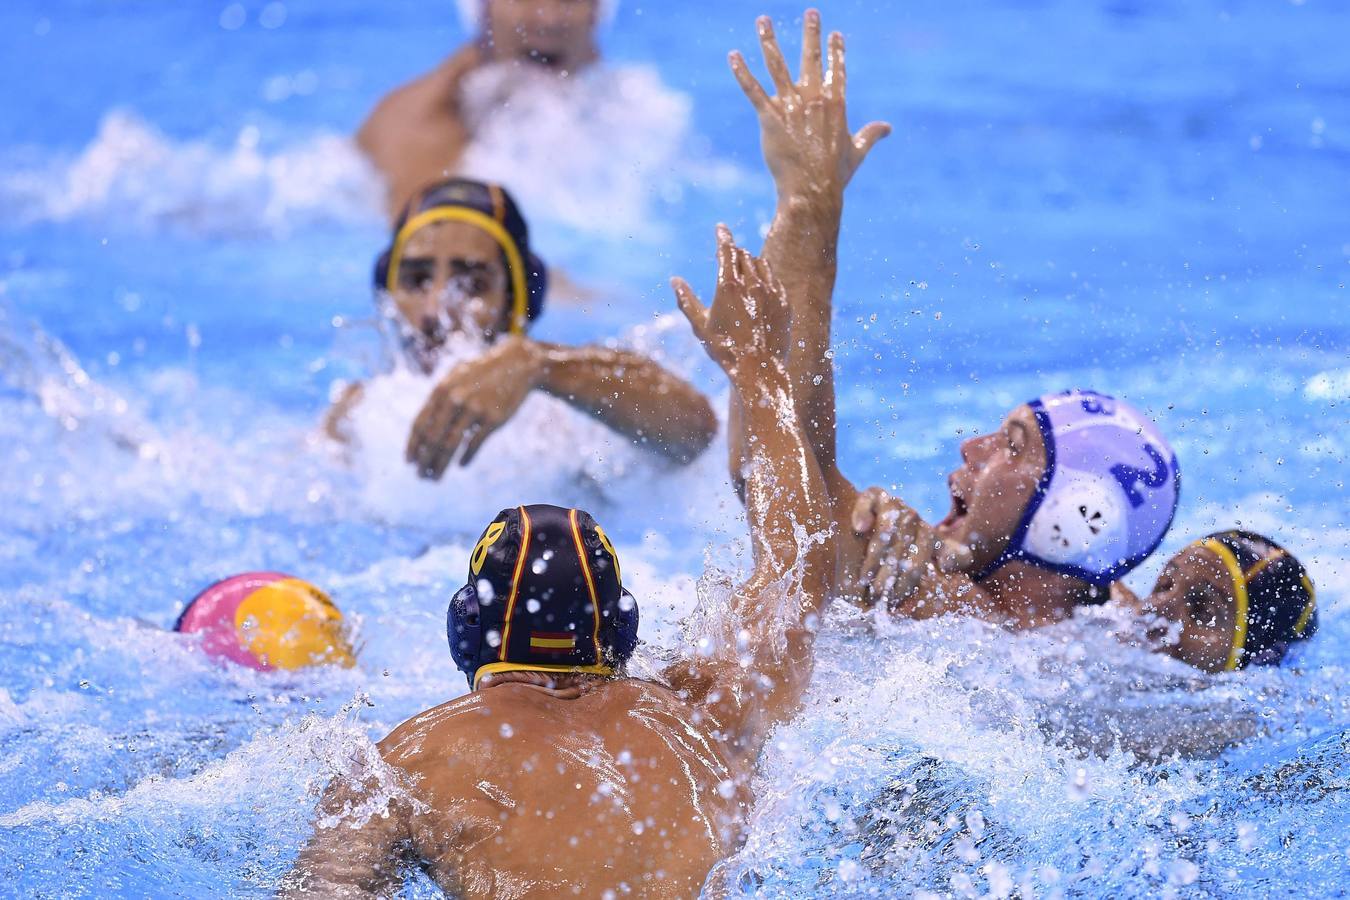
x,y
451,278
555,33
1192,610
991,489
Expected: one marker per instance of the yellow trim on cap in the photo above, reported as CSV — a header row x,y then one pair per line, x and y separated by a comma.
x,y
499,667
590,581
1260,565
514,260
613,556
1234,568
1303,619
515,579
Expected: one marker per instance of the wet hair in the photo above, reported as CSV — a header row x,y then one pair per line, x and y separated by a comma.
x,y
1277,604
491,208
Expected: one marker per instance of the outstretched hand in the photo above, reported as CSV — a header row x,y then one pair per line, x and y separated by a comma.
x,y
748,325
804,128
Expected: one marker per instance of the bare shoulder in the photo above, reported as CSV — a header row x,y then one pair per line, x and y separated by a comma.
x,y
458,724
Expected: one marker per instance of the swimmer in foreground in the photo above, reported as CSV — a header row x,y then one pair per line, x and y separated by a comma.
x,y
559,775
459,262
1228,601
416,134
266,621
1070,493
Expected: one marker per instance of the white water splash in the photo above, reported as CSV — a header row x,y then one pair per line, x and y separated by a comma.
x,y
133,175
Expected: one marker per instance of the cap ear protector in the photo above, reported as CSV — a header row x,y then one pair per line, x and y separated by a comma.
x,y
527,277
1073,523
566,611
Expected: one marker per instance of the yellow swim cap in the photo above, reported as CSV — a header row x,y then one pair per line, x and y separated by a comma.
x,y
290,624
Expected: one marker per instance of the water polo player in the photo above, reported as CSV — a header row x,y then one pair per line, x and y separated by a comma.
x,y
459,261
1073,491
1070,493
416,134
1228,601
559,775
268,620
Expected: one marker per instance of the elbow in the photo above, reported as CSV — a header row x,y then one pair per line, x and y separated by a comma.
x,y
698,427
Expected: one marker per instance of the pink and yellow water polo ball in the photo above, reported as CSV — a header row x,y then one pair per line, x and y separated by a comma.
x,y
268,620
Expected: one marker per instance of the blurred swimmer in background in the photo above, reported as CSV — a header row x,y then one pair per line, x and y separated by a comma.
x,y
560,775
460,264
1228,601
417,133
1069,494
267,621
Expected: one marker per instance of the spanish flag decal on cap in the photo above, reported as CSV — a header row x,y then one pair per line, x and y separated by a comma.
x,y
553,641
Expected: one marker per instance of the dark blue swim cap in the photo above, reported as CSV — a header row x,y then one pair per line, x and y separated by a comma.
x,y
544,595
1277,604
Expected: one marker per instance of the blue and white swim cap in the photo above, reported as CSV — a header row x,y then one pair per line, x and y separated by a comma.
x,y
1108,493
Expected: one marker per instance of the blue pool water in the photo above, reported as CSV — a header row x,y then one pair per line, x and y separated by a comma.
x,y
1145,197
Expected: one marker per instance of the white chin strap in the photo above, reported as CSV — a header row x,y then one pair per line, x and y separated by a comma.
x,y
471,12
1081,522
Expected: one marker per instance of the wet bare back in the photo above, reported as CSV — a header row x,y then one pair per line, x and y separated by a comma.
x,y
532,792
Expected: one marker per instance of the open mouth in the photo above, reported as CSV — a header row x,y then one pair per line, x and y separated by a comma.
x,y
958,510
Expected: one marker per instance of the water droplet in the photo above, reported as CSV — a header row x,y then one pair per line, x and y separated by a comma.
x,y
273,15
232,17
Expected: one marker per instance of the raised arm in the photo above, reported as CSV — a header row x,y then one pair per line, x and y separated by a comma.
x,y
630,393
812,157
760,658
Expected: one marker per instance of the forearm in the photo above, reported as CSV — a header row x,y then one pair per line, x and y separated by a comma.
x,y
802,247
764,662
787,505
631,394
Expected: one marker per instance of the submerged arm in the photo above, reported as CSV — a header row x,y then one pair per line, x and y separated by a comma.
x,y
349,861
760,664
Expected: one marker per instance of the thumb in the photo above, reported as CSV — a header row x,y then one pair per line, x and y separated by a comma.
x,y
691,306
869,134
954,557
865,512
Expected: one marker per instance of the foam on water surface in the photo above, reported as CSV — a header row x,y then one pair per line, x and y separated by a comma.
x,y
184,281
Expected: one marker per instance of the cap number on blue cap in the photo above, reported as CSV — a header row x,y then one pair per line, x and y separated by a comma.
x,y
1129,477
1098,404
